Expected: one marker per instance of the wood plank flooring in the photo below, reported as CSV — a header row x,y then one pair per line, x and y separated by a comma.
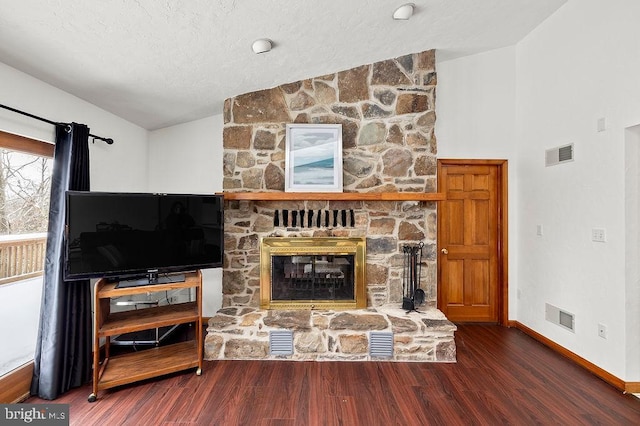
x,y
502,377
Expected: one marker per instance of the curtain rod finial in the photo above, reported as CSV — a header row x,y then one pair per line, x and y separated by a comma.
x,y
109,141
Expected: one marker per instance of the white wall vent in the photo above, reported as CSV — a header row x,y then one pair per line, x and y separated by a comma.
x,y
560,317
381,344
558,155
281,342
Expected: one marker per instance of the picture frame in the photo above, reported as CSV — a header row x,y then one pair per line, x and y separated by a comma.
x,y
313,158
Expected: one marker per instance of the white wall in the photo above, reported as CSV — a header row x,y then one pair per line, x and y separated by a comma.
x,y
476,119
580,65
187,158
118,167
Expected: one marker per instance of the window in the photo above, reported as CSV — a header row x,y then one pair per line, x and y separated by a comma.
x,y
25,178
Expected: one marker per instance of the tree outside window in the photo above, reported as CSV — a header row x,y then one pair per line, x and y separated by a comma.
x,y
25,185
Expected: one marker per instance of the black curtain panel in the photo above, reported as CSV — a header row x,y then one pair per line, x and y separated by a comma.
x,y
63,351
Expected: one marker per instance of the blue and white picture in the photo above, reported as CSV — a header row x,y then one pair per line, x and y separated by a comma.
x,y
314,158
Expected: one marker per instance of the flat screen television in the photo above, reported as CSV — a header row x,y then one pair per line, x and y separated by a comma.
x,y
138,238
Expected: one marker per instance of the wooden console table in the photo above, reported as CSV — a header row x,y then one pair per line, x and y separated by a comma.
x,y
118,370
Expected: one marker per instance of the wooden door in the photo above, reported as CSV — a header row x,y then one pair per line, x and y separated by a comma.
x,y
472,240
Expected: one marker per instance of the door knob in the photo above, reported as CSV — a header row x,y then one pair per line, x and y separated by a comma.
x,y
444,251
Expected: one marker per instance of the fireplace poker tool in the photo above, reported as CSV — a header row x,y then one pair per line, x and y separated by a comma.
x,y
335,218
413,295
310,219
407,302
294,218
285,218
353,219
344,218
326,218
276,218
302,218
319,220
418,293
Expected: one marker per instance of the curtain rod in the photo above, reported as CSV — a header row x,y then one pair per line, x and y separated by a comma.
x,y
55,123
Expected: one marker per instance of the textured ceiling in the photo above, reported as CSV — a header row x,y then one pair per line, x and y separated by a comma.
x,y
158,63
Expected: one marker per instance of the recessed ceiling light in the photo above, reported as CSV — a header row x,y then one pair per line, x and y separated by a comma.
x,y
262,45
404,12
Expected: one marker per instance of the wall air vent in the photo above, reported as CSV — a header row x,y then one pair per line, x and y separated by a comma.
x,y
558,155
381,344
281,342
559,317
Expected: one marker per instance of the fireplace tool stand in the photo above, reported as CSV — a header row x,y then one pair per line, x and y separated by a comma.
x,y
412,296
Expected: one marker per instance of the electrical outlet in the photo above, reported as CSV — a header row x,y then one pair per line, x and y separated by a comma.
x,y
602,331
599,235
539,230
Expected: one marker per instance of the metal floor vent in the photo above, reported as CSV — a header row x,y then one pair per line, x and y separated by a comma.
x,y
380,344
559,317
281,342
559,154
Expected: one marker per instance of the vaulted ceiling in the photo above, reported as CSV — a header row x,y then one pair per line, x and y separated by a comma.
x,y
158,63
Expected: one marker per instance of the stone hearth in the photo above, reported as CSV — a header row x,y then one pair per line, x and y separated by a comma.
x,y
243,333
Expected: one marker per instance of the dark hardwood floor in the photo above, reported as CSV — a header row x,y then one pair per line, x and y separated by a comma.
x,y
502,377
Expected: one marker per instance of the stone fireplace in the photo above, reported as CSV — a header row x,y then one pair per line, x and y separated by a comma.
x,y
387,112
312,273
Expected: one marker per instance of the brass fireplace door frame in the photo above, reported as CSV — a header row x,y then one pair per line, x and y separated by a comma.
x,y
284,246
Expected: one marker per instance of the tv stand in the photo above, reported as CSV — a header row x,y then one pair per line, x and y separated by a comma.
x,y
151,279
111,371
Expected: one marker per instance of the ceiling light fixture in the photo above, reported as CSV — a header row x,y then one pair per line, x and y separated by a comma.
x,y
404,12
261,45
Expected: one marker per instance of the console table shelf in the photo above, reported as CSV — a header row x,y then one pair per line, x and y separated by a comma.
x,y
149,363
334,196
138,319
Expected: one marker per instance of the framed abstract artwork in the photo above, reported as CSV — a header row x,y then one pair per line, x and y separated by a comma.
x,y
313,159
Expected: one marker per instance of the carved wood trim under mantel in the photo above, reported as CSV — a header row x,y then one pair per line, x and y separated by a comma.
x,y
334,196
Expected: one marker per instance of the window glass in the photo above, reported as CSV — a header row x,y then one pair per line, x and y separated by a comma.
x,y
25,182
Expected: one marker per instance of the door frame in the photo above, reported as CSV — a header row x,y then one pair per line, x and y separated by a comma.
x,y
503,230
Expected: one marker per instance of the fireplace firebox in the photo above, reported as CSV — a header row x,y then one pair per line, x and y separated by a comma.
x,y
312,273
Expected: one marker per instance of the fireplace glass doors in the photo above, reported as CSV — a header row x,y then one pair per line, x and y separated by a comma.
x,y
312,273
312,277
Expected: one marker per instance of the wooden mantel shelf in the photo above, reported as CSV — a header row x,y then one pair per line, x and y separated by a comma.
x,y
334,196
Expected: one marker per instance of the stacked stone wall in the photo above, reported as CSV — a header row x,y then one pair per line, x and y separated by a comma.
x,y
387,112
